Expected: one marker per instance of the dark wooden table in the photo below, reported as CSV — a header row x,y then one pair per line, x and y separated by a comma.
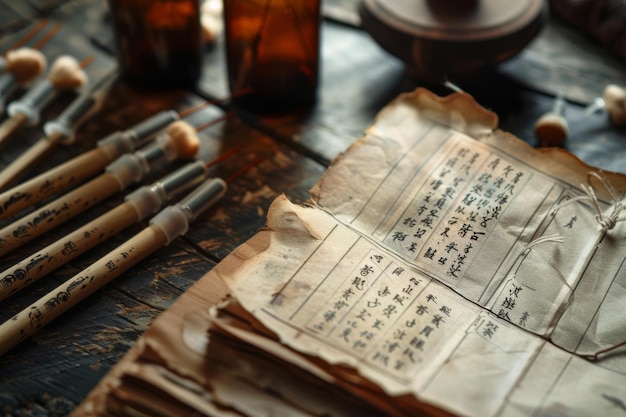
x,y
50,374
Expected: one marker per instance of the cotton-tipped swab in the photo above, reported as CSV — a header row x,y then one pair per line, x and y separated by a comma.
x,y
19,68
551,128
82,167
137,206
613,101
24,64
170,223
88,164
20,65
179,142
65,74
59,130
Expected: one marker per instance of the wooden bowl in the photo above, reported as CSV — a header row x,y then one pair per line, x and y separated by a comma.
x,y
452,39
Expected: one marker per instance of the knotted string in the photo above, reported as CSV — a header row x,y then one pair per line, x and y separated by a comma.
x,y
607,222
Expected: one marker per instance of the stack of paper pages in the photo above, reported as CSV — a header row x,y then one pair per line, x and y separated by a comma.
x,y
442,267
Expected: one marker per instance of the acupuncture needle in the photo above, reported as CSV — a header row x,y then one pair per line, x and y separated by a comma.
x,y
85,165
58,131
137,206
31,61
167,225
29,35
180,141
65,74
48,36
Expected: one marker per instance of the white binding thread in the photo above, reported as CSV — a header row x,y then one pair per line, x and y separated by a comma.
x,y
543,239
540,240
607,222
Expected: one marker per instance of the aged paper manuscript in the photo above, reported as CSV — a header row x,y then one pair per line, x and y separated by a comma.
x,y
442,266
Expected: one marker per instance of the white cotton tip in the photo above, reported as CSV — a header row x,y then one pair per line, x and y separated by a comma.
x,y
551,130
615,102
211,29
211,20
184,139
66,73
25,64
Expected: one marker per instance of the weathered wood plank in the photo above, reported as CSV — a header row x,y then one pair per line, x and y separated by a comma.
x,y
51,373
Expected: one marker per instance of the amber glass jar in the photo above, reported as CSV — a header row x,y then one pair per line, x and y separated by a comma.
x,y
272,50
159,42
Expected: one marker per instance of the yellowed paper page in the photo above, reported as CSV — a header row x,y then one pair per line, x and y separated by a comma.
x,y
434,259
442,266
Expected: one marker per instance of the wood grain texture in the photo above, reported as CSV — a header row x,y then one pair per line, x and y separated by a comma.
x,y
52,372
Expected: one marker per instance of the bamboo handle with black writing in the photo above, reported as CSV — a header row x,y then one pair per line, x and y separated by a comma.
x,y
68,294
57,212
58,253
45,185
166,226
29,158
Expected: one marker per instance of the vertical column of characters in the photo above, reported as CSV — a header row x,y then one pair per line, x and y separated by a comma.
x,y
433,199
456,241
378,310
416,332
353,288
506,307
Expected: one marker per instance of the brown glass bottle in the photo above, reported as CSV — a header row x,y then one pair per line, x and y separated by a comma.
x,y
272,50
159,42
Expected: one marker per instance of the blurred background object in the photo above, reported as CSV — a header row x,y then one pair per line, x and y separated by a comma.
x,y
603,20
158,43
272,52
452,39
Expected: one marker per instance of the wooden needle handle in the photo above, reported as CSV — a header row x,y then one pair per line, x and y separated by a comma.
x,y
9,126
58,253
170,223
31,156
77,288
57,212
54,181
